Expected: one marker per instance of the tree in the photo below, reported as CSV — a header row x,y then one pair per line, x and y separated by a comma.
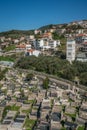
x,y
46,83
55,36
83,78
62,123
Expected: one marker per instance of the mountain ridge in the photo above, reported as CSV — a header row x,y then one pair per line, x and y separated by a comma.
x,y
81,23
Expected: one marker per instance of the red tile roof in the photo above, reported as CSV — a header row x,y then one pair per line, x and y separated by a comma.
x,y
81,35
21,46
85,43
31,50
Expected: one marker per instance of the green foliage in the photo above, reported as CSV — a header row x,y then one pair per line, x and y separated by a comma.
x,y
57,36
74,27
63,108
55,66
81,128
73,116
83,78
22,93
63,128
7,108
63,122
7,58
5,111
14,108
29,124
16,33
43,28
2,73
46,83
10,48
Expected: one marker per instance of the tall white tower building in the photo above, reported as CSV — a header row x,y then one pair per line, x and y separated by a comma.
x,y
71,49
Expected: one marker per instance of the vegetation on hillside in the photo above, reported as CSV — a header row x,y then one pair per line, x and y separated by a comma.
x,y
8,58
46,83
55,66
10,47
16,33
2,73
43,28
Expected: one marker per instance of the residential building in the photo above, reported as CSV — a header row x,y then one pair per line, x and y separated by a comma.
x,y
81,57
32,52
70,53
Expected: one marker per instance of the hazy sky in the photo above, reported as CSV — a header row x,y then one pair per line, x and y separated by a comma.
x,y
32,14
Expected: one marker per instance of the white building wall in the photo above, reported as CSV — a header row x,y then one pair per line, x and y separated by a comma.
x,y
41,43
28,47
70,53
85,39
36,53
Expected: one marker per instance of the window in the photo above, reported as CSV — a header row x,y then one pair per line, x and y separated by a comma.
x,y
69,53
69,45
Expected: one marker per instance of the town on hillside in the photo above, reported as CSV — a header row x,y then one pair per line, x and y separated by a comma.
x,y
43,78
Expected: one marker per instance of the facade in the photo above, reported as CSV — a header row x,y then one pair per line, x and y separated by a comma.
x,y
70,53
53,44
81,38
84,47
28,46
31,37
81,57
32,52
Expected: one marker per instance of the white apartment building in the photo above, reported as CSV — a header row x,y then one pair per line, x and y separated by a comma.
x,y
84,39
53,44
70,53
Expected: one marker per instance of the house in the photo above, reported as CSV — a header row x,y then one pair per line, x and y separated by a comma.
x,y
20,48
22,39
28,47
53,44
47,35
83,47
60,31
81,57
16,41
32,52
2,39
37,31
80,38
31,37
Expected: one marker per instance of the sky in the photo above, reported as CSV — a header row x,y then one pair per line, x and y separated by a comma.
x,y
32,14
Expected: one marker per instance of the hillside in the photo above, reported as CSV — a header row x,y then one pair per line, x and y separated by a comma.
x,y
82,24
16,33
